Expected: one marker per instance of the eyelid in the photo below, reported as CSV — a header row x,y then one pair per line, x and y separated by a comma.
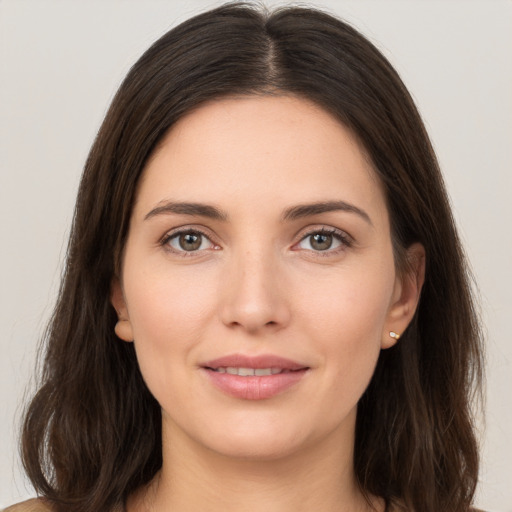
x,y
187,228
345,239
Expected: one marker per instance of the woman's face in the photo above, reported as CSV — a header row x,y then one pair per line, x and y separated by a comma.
x,y
258,280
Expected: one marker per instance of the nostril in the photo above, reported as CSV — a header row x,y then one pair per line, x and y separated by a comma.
x,y
249,309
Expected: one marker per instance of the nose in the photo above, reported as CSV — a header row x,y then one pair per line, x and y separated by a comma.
x,y
254,295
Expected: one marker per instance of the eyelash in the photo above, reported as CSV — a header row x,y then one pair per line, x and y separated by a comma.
x,y
345,241
184,231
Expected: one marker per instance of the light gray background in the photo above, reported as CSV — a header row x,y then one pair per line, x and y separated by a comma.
x,y
60,63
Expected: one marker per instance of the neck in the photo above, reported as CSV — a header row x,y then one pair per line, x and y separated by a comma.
x,y
320,477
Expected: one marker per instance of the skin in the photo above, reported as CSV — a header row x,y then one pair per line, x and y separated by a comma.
x,y
258,284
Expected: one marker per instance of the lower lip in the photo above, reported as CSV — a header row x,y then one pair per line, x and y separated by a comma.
x,y
257,387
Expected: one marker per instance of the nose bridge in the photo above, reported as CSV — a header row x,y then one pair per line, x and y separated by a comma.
x,y
254,297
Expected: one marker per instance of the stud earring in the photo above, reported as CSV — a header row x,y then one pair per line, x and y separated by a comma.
x,y
394,335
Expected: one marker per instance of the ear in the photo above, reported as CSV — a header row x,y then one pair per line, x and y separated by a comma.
x,y
123,327
406,295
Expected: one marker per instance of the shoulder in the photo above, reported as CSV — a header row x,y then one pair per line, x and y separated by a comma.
x,y
34,505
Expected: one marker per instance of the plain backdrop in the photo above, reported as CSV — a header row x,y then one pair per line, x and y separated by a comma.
x,y
60,64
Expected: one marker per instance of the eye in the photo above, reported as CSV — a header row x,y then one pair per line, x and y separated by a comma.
x,y
188,241
324,240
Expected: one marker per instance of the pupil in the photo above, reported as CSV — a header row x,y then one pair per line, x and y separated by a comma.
x,y
321,242
190,241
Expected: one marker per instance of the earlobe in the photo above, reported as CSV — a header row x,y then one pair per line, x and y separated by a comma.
x,y
406,296
123,330
123,327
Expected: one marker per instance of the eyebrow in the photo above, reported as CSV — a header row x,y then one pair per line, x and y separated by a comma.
x,y
293,213
307,210
195,209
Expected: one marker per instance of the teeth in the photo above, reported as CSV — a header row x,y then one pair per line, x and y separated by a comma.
x,y
249,372
263,371
245,372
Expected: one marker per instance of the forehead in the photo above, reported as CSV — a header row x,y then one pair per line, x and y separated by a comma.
x,y
259,149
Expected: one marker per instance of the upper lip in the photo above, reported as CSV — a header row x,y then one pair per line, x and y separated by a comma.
x,y
261,361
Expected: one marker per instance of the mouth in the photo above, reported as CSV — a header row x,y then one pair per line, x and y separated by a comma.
x,y
252,372
254,378
240,364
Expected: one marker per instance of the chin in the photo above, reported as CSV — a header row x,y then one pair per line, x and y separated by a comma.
x,y
269,438
243,436
255,448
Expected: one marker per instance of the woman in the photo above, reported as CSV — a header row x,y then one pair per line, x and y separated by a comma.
x,y
265,302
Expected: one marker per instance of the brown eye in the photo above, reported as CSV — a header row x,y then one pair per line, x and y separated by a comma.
x,y
321,241
324,241
189,241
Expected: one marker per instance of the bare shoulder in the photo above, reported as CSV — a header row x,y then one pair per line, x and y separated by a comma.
x,y
34,505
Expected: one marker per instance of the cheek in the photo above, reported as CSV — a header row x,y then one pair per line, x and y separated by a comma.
x,y
351,304
345,316
168,313
163,299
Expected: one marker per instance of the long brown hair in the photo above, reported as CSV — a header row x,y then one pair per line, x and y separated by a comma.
x,y
92,433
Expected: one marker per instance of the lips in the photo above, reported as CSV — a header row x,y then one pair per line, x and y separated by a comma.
x,y
248,372
256,362
253,378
